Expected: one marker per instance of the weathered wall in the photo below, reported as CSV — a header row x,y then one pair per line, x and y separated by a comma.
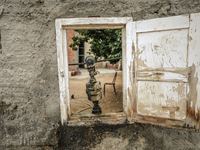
x,y
29,95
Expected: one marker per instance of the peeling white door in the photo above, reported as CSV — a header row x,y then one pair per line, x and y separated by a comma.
x,y
163,81
161,70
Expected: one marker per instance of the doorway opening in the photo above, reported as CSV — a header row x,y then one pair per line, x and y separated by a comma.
x,y
62,25
110,72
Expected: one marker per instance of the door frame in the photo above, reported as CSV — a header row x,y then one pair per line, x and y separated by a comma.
x,y
85,23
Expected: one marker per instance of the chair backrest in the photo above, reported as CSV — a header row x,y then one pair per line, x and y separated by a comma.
x,y
114,79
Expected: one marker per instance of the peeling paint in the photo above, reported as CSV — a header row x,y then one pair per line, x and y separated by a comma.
x,y
159,95
162,49
132,92
192,116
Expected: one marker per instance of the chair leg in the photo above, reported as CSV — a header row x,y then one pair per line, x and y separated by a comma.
x,y
104,89
114,89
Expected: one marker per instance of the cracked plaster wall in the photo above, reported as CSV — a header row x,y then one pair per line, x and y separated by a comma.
x,y
29,95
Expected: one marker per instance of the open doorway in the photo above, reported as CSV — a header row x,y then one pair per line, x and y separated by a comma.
x,y
126,25
110,72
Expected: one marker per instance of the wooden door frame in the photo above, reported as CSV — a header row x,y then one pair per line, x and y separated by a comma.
x,y
85,23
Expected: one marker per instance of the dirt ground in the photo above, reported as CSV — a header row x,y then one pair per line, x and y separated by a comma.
x,y
110,103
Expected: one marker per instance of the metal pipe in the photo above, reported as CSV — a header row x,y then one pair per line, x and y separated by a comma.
x,y
84,102
83,109
109,59
96,61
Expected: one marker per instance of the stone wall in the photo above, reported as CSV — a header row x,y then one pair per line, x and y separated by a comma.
x,y
29,94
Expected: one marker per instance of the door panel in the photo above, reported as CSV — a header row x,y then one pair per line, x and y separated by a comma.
x,y
163,49
162,99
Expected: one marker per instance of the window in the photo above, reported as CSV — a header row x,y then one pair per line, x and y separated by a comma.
x,y
161,69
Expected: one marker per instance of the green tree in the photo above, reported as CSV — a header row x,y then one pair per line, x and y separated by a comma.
x,y
105,43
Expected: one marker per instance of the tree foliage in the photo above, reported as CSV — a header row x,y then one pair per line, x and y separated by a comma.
x,y
105,43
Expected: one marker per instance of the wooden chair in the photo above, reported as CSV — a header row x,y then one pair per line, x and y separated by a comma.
x,y
113,83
